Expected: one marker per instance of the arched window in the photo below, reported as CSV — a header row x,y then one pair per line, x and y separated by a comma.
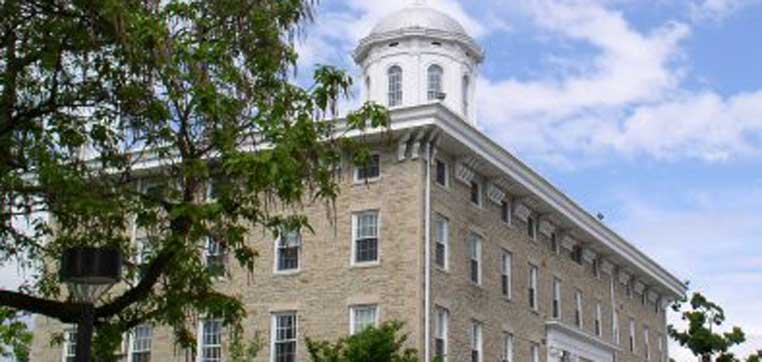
x,y
466,85
435,73
395,86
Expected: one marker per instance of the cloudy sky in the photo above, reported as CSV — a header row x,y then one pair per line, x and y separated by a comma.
x,y
647,111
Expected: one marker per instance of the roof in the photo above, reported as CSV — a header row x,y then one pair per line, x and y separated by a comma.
x,y
418,17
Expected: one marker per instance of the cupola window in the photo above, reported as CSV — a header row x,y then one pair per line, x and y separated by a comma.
x,y
395,86
435,73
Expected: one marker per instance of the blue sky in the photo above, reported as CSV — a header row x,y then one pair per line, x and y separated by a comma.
x,y
647,111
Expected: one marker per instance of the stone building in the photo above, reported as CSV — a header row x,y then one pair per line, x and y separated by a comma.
x,y
445,230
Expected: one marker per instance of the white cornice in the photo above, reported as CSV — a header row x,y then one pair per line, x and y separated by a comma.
x,y
466,134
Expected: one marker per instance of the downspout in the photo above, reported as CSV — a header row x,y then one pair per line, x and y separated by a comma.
x,y
427,252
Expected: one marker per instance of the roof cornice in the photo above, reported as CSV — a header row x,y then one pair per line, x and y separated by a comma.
x,y
440,116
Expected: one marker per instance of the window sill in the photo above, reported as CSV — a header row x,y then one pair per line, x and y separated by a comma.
x,y
442,269
285,273
370,181
365,265
536,312
507,299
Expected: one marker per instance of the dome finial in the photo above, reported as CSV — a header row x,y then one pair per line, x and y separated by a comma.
x,y
419,2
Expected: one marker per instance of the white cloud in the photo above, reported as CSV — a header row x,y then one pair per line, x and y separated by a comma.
x,y
718,9
712,241
629,97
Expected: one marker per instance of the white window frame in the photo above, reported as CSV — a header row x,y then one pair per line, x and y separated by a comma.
x,y
506,269
69,349
506,211
534,276
355,224
446,165
556,308
200,342
508,346
555,243
434,86
598,320
278,248
221,252
274,333
532,227
477,241
476,340
479,193
133,340
646,344
465,94
356,173
353,309
142,244
535,352
441,330
633,341
395,97
443,239
578,305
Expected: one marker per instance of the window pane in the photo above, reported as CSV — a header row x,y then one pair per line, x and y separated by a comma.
x,y
395,86
441,173
363,317
434,82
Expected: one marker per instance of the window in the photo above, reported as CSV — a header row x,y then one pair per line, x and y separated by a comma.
x,y
596,269
362,316
435,73
578,309
70,345
287,250
507,275
211,340
632,335
628,289
615,326
441,226
476,341
440,333
554,244
505,211
532,228
535,351
660,345
646,344
394,76
141,259
475,255
598,330
284,334
366,237
141,343
442,172
476,193
370,170
215,257
466,84
533,286
507,347
577,254
556,299
643,298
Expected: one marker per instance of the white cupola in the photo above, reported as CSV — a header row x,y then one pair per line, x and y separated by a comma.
x,y
419,55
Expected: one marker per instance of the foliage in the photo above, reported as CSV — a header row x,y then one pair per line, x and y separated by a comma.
x,y
15,338
117,113
700,337
382,344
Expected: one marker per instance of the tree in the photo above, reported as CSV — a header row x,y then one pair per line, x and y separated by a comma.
x,y
700,337
382,344
117,113
15,337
